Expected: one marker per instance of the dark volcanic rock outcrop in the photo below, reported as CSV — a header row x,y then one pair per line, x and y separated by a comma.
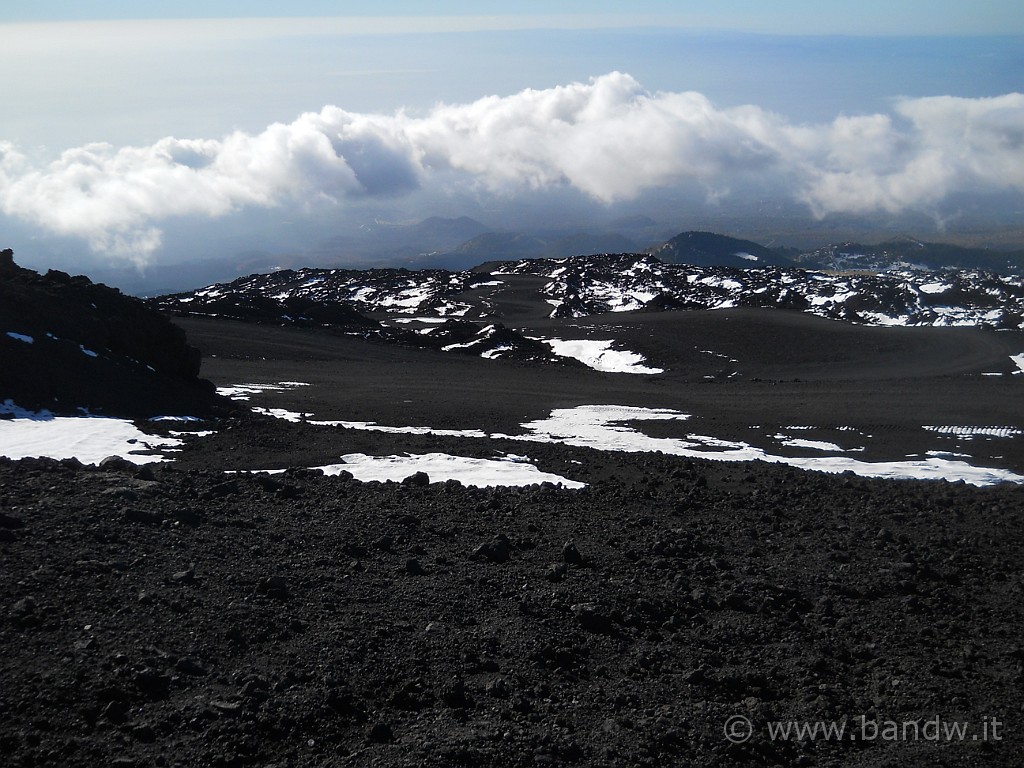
x,y
68,343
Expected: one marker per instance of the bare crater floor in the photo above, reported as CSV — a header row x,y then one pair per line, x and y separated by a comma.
x,y
763,378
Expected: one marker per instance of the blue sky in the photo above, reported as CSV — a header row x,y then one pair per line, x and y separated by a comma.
x,y
875,17
131,127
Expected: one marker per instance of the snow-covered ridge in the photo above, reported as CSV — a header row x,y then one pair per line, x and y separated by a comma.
x,y
589,285
372,290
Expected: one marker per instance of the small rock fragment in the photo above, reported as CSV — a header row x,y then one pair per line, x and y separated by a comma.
x,y
23,612
116,712
145,472
144,516
381,733
557,572
454,695
275,587
498,688
592,617
227,708
570,554
189,666
6,521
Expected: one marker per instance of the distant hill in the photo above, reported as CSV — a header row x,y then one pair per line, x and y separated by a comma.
x,y
432,234
584,243
512,246
500,246
707,249
437,232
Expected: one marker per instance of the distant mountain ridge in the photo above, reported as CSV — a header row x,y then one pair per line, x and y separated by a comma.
x,y
463,242
908,253
709,249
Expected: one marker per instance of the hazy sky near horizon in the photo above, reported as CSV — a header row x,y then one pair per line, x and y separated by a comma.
x,y
125,124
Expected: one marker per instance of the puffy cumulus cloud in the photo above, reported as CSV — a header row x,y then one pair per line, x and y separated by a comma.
x,y
608,138
113,197
944,144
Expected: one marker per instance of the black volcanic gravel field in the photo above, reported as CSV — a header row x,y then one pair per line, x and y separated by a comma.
x,y
176,615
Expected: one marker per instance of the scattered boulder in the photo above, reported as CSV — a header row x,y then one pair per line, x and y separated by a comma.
x,y
497,550
116,464
417,479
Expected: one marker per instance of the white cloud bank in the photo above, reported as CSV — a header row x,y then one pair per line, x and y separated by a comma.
x,y
610,139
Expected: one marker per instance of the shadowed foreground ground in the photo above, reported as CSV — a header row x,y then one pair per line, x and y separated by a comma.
x,y
179,615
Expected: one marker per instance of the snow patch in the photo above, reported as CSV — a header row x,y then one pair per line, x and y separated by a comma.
x,y
372,426
599,355
815,445
245,391
603,427
967,433
610,428
442,466
282,413
606,428
492,354
21,337
90,439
